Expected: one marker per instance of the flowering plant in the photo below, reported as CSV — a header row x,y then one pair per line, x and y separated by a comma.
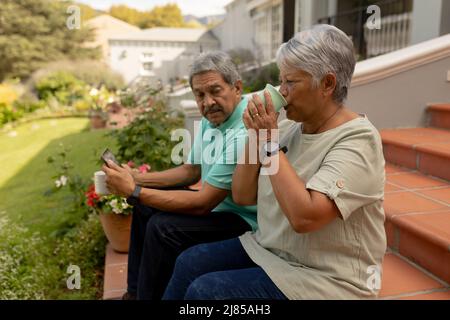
x,y
107,204
65,178
111,203
100,98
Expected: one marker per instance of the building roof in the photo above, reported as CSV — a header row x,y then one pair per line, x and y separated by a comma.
x,y
168,34
105,21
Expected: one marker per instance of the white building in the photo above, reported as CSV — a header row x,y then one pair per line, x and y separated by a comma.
x,y
252,24
262,25
104,27
159,53
236,29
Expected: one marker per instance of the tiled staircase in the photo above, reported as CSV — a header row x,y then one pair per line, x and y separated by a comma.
x,y
417,206
417,202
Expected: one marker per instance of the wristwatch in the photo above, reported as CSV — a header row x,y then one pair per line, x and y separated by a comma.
x,y
272,148
133,200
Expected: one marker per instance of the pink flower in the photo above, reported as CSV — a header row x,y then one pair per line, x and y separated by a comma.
x,y
144,168
131,164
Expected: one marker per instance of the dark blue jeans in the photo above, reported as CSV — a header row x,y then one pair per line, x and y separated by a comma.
x,y
157,238
219,271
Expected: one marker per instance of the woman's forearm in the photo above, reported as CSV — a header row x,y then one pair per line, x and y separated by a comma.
x,y
245,179
291,193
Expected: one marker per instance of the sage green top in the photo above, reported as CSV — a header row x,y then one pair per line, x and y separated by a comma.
x,y
343,259
217,150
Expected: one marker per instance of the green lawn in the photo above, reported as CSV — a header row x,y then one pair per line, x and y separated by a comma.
x,y
26,175
34,259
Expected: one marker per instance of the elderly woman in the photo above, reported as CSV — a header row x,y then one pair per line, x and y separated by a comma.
x,y
320,215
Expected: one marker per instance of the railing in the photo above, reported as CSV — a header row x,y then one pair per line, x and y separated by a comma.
x,y
394,33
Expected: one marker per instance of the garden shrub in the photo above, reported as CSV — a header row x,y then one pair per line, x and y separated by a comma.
x,y
84,246
8,94
35,267
9,113
97,74
29,106
23,265
63,86
93,73
147,139
256,80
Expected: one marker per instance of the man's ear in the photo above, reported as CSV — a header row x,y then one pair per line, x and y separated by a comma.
x,y
329,84
238,86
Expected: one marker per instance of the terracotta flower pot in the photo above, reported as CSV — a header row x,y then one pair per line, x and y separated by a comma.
x,y
117,229
97,122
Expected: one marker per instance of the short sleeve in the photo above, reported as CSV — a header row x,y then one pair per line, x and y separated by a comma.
x,y
352,173
221,173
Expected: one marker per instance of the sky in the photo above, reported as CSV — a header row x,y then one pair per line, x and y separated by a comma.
x,y
195,7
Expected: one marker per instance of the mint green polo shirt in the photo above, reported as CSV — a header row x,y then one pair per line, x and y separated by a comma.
x,y
217,150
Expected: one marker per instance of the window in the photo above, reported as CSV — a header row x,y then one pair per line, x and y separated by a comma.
x,y
123,55
147,66
262,38
298,16
277,32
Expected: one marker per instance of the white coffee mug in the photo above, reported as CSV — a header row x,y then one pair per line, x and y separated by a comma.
x,y
100,183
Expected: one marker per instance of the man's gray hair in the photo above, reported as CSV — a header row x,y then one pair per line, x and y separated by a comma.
x,y
217,61
318,51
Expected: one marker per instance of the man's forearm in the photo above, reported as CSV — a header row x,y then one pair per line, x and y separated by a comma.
x,y
176,201
181,176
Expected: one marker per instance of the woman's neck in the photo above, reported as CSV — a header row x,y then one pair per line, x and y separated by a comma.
x,y
324,120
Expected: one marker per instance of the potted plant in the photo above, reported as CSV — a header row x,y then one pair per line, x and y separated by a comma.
x,y
97,113
98,119
115,213
115,217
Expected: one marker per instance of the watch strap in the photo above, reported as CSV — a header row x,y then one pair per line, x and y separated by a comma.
x,y
137,191
284,149
134,198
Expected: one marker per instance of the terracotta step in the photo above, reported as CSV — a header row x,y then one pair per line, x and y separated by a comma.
x,y
418,230
401,280
417,224
115,277
423,149
439,115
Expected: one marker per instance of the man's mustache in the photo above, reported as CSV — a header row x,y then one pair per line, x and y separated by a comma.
x,y
213,108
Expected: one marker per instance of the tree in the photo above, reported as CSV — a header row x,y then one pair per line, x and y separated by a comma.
x,y
87,12
34,32
160,16
164,16
126,14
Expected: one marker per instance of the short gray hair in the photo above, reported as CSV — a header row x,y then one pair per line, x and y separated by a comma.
x,y
318,51
217,61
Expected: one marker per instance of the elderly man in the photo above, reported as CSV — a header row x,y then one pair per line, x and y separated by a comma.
x,y
166,222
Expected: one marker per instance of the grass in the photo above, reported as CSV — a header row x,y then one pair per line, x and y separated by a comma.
x,y
33,260
27,175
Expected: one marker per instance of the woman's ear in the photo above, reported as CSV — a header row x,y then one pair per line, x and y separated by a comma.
x,y
329,84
